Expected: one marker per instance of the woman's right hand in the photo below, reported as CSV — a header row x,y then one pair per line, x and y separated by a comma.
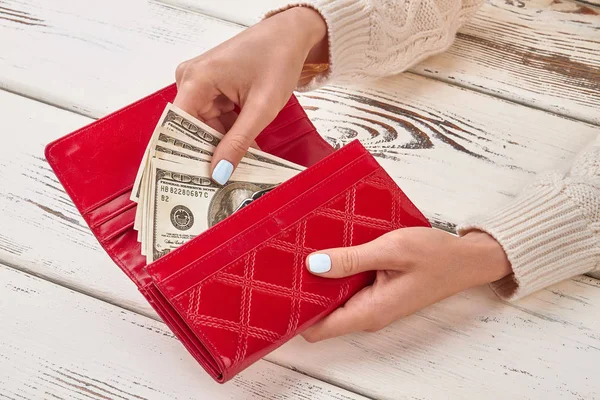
x,y
257,70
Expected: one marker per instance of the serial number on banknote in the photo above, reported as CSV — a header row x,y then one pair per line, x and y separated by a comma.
x,y
183,191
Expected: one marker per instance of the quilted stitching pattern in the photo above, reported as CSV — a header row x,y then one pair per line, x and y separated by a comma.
x,y
363,212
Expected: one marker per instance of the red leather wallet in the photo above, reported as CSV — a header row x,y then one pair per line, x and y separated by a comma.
x,y
240,289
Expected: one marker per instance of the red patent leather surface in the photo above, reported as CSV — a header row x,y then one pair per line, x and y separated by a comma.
x,y
240,289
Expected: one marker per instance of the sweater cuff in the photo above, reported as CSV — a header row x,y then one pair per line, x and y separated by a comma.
x,y
545,236
348,27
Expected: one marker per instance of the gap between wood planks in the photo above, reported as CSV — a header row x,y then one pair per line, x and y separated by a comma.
x,y
589,2
547,75
81,292
56,104
45,364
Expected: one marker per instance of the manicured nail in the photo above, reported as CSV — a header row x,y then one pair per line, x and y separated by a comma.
x,y
222,172
319,263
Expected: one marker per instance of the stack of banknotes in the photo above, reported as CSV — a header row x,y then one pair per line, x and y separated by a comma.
x,y
177,200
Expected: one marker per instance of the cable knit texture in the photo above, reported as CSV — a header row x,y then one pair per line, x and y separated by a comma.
x,y
550,231
370,39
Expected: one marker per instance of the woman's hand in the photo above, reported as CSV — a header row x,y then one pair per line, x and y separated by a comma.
x,y
415,267
256,70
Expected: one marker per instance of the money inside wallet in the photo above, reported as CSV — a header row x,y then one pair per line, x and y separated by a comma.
x,y
176,198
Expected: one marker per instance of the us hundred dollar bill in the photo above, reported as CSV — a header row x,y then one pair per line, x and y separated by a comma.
x,y
176,155
176,143
170,140
184,201
172,149
179,122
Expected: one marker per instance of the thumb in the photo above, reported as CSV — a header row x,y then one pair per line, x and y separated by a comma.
x,y
345,261
253,118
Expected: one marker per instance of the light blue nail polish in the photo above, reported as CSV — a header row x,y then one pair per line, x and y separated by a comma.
x,y
222,172
319,263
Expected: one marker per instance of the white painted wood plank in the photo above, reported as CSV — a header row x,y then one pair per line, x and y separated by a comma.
x,y
468,157
472,346
539,52
56,343
544,53
435,127
95,57
241,12
41,232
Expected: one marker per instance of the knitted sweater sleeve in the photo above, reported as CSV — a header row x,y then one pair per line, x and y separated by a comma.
x,y
369,39
551,230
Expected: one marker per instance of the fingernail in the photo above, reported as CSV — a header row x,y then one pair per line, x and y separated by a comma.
x,y
319,263
222,172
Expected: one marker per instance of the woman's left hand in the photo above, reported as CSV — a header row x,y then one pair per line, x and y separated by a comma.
x,y
415,267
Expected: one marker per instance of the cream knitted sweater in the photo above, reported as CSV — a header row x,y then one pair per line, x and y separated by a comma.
x,y
551,230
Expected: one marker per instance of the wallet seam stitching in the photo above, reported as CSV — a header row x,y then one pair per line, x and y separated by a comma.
x,y
197,329
331,303
343,290
204,338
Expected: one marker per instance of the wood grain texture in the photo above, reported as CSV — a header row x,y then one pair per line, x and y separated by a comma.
x,y
543,53
466,158
448,348
95,57
56,343
413,123
37,217
471,346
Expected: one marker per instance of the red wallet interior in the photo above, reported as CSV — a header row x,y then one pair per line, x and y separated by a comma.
x,y
97,165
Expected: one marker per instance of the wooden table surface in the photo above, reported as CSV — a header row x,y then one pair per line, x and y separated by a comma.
x,y
518,93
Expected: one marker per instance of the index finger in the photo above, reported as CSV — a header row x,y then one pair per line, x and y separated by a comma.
x,y
254,116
